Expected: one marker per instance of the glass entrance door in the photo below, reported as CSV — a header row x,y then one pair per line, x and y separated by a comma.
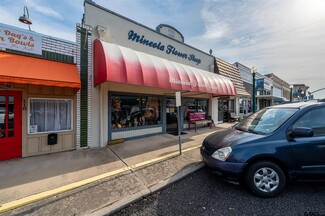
x,y
10,125
171,115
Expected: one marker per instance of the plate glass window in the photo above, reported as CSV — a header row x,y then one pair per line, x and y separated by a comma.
x,y
194,106
129,111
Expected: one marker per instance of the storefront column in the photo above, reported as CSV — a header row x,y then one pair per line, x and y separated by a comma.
x,y
246,107
214,109
257,104
103,117
237,106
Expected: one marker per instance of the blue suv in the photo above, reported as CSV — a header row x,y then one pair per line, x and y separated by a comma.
x,y
270,147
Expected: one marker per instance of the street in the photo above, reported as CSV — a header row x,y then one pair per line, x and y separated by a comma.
x,y
202,193
121,107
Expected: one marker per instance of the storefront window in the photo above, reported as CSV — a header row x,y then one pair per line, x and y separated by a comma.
x,y
49,115
231,106
194,105
134,111
249,105
242,105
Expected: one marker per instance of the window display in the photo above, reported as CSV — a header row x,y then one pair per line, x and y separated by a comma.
x,y
194,105
134,111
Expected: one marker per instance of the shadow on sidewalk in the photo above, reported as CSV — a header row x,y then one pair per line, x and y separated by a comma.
x,y
26,176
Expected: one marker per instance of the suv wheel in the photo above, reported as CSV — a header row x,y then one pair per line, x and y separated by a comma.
x,y
265,179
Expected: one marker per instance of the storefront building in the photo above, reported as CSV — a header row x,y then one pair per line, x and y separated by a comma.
x,y
233,106
299,92
264,91
134,73
247,78
281,89
39,81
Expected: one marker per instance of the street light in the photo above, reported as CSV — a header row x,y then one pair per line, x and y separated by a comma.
x,y
291,87
25,19
253,70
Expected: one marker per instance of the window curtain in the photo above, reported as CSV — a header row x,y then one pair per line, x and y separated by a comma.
x,y
50,115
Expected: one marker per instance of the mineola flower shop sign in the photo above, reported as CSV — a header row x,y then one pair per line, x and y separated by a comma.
x,y
20,40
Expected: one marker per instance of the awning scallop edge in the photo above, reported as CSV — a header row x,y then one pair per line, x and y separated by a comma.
x,y
114,63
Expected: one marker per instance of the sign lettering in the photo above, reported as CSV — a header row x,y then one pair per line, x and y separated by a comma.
x,y
194,84
25,41
4,86
168,49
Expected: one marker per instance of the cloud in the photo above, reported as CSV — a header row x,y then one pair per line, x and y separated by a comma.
x,y
214,27
9,18
54,18
46,10
278,36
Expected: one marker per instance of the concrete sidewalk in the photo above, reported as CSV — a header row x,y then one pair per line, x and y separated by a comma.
x,y
97,181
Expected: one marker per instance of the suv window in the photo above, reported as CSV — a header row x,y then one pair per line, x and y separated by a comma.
x,y
314,119
266,121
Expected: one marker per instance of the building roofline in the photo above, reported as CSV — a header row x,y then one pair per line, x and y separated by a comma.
x,y
169,26
130,20
242,65
39,34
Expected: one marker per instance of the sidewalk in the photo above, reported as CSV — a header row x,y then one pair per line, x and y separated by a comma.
x,y
98,181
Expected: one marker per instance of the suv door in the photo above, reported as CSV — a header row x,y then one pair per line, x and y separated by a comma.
x,y
309,152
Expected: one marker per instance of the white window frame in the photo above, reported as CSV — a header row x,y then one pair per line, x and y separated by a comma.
x,y
55,99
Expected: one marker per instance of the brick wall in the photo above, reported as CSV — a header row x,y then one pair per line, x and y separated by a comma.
x,y
59,46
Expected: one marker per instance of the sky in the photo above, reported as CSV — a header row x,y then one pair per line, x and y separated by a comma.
x,y
284,37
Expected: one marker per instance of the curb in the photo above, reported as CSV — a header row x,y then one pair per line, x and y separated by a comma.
x,y
5,207
120,204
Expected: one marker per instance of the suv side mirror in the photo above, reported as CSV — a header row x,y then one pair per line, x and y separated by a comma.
x,y
301,132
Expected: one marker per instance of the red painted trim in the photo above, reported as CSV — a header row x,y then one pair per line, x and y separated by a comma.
x,y
11,147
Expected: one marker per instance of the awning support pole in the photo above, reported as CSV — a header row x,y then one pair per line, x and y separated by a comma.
x,y
179,130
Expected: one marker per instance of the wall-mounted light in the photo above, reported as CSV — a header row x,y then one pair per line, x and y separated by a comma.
x,y
25,19
102,32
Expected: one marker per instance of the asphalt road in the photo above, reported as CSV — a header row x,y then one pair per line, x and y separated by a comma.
x,y
202,193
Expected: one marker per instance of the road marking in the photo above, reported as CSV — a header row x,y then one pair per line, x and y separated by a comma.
x,y
46,194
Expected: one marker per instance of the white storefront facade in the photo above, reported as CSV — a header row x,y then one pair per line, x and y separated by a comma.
x,y
133,74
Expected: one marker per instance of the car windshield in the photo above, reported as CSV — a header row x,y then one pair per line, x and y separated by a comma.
x,y
265,121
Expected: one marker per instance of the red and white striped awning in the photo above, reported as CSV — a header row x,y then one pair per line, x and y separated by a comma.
x,y
114,63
